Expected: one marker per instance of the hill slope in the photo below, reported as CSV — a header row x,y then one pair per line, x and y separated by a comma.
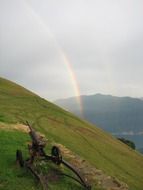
x,y
118,115
99,149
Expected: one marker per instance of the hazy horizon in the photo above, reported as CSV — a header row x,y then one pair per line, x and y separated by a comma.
x,y
98,93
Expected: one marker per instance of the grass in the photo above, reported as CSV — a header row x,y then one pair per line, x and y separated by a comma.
x,y
13,177
91,143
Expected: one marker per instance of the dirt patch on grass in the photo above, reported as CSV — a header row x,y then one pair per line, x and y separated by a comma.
x,y
19,127
91,174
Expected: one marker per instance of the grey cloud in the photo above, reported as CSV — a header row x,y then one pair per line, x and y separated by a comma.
x,y
101,39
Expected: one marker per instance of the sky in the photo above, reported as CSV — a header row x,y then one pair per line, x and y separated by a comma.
x,y
66,48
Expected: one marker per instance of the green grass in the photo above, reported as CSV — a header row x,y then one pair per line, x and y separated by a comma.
x,y
13,177
91,143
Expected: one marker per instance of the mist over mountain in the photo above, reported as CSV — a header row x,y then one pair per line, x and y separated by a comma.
x,y
121,116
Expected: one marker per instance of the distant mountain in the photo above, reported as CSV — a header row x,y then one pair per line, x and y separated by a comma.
x,y
121,116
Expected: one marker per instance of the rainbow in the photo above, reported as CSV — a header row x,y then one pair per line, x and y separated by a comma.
x,y
62,54
73,81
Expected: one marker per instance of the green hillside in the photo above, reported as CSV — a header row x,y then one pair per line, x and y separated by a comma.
x,y
98,148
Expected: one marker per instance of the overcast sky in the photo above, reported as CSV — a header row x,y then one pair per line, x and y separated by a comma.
x,y
101,39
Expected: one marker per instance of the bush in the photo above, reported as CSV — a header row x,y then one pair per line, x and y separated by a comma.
x,y
128,142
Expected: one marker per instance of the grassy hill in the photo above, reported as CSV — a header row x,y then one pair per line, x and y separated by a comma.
x,y
98,148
